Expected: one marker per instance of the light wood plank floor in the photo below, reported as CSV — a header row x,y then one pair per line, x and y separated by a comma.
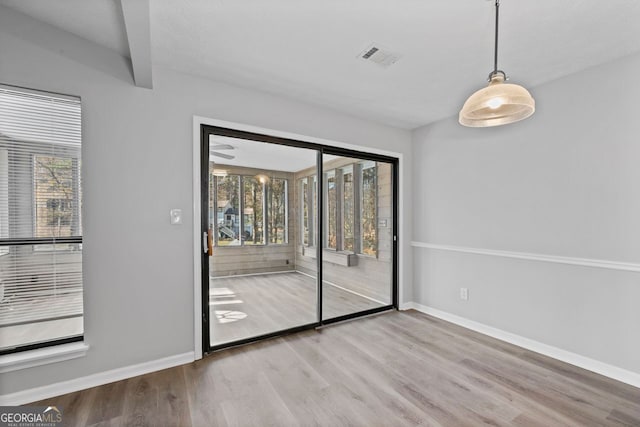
x,y
248,306
392,369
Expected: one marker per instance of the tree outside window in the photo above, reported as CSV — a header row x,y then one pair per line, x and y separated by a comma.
x,y
227,202
304,197
348,214
351,208
332,210
250,210
253,211
277,210
369,200
54,197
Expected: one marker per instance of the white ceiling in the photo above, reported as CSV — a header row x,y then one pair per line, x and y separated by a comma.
x,y
307,50
97,20
254,154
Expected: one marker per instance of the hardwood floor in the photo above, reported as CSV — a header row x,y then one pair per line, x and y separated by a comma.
x,y
392,369
248,306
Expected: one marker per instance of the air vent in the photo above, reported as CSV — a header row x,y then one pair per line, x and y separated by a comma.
x,y
381,56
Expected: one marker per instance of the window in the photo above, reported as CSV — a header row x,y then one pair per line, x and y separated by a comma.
x,y
348,214
309,212
351,208
40,219
253,228
250,210
54,195
4,201
277,211
368,203
332,210
305,220
314,210
227,190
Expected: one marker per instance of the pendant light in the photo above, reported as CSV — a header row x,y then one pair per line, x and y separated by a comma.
x,y
499,103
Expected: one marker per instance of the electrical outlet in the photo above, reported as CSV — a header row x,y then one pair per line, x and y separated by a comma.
x,y
464,294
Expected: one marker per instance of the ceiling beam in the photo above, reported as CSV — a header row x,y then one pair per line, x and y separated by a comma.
x,y
64,43
138,28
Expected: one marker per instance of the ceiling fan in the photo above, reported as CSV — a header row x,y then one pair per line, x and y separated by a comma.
x,y
214,151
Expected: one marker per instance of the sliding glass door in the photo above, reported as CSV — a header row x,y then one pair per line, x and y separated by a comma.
x,y
255,287
357,241
279,218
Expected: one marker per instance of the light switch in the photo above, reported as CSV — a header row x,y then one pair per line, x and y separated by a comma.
x,y
176,216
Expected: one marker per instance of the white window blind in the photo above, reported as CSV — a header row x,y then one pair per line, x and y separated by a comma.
x,y
40,219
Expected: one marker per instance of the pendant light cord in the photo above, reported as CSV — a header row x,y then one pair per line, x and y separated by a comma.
x,y
495,55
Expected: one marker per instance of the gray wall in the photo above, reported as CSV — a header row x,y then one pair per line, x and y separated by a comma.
x,y
564,182
137,165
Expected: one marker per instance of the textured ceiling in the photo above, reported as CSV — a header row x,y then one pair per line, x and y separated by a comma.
x,y
307,50
97,20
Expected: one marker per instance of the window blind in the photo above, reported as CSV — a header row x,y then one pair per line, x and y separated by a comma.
x,y
40,218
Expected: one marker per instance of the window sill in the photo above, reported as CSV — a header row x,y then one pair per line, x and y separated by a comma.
x,y
345,259
308,251
42,356
368,256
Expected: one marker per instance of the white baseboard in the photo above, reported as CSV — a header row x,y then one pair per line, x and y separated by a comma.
x,y
345,289
614,372
252,274
57,389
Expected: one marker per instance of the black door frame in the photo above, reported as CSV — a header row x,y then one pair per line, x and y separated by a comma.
x,y
205,132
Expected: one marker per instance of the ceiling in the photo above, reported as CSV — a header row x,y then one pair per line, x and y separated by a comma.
x,y
307,50
254,154
259,155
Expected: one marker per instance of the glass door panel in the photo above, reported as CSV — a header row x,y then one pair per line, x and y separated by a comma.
x,y
261,225
281,217
357,240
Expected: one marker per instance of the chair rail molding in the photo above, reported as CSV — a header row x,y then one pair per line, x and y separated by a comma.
x,y
583,262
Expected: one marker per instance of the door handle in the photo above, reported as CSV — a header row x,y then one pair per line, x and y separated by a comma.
x,y
210,242
205,242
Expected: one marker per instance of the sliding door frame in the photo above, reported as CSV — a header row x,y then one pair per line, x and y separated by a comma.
x,y
344,152
205,131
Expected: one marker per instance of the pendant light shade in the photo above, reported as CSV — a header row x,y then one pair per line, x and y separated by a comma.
x,y
499,103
